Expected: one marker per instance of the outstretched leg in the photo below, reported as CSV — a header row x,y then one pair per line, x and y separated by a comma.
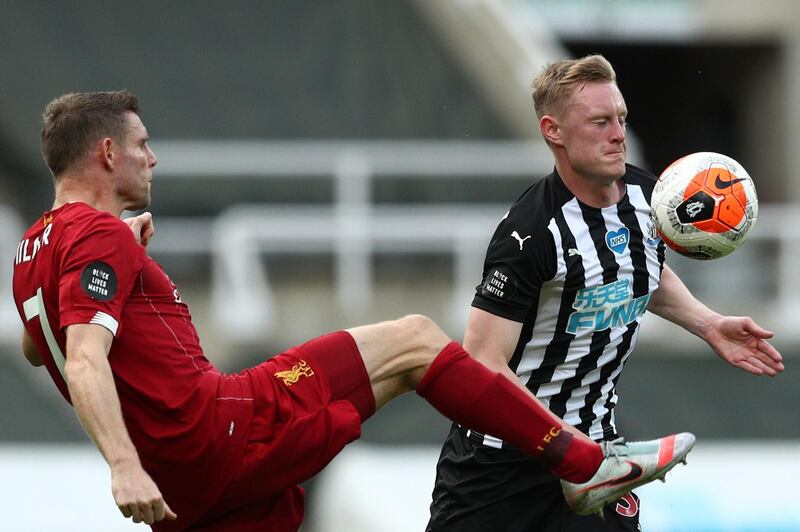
x,y
413,353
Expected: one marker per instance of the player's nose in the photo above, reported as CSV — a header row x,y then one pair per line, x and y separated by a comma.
x,y
618,132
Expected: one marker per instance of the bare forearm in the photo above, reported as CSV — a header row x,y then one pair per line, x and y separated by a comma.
x,y
94,396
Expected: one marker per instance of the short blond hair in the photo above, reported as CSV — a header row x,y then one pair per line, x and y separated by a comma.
x,y
557,82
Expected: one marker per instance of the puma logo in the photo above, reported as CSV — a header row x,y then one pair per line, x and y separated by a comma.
x,y
520,239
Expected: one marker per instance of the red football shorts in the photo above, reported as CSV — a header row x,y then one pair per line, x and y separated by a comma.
x,y
309,402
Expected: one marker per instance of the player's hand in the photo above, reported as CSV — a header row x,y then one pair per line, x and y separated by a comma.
x,y
138,497
743,343
142,227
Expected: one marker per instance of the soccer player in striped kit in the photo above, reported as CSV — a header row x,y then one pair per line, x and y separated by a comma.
x,y
568,275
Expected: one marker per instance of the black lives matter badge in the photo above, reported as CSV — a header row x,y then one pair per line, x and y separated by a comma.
x,y
499,284
99,281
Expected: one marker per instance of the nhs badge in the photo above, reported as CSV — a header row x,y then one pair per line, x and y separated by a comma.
x,y
617,240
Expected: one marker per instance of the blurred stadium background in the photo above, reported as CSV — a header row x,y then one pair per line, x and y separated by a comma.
x,y
324,164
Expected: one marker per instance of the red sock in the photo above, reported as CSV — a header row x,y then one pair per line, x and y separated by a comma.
x,y
470,394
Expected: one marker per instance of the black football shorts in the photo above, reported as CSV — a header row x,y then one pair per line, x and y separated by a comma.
x,y
483,489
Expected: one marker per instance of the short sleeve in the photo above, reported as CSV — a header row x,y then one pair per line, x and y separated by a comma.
x,y
518,261
99,268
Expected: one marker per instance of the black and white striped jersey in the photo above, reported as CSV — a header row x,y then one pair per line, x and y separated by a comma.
x,y
579,279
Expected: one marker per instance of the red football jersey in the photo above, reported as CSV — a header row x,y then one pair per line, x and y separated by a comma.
x,y
189,423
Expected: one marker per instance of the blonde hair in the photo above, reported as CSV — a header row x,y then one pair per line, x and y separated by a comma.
x,y
556,84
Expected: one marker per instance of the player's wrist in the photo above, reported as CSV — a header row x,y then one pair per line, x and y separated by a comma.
x,y
707,324
123,462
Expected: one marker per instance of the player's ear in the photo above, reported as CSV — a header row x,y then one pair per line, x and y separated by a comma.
x,y
106,153
551,131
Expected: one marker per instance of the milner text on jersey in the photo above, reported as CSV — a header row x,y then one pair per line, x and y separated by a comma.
x,y
22,250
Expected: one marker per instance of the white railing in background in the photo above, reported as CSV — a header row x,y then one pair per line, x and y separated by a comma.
x,y
353,228
242,295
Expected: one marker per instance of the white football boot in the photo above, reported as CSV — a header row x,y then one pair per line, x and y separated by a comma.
x,y
626,466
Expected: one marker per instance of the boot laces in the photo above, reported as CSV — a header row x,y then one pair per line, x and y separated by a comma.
x,y
614,447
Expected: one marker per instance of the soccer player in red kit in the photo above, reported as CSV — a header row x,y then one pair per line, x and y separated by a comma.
x,y
190,448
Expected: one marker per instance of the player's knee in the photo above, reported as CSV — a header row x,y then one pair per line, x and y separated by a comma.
x,y
398,352
423,333
426,341
418,323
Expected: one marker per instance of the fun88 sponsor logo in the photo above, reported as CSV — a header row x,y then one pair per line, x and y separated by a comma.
x,y
606,306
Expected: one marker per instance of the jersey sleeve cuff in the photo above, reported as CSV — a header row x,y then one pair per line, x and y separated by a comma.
x,y
512,314
93,316
106,320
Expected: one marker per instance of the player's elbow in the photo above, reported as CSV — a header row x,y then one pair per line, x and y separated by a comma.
x,y
34,358
78,367
30,351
